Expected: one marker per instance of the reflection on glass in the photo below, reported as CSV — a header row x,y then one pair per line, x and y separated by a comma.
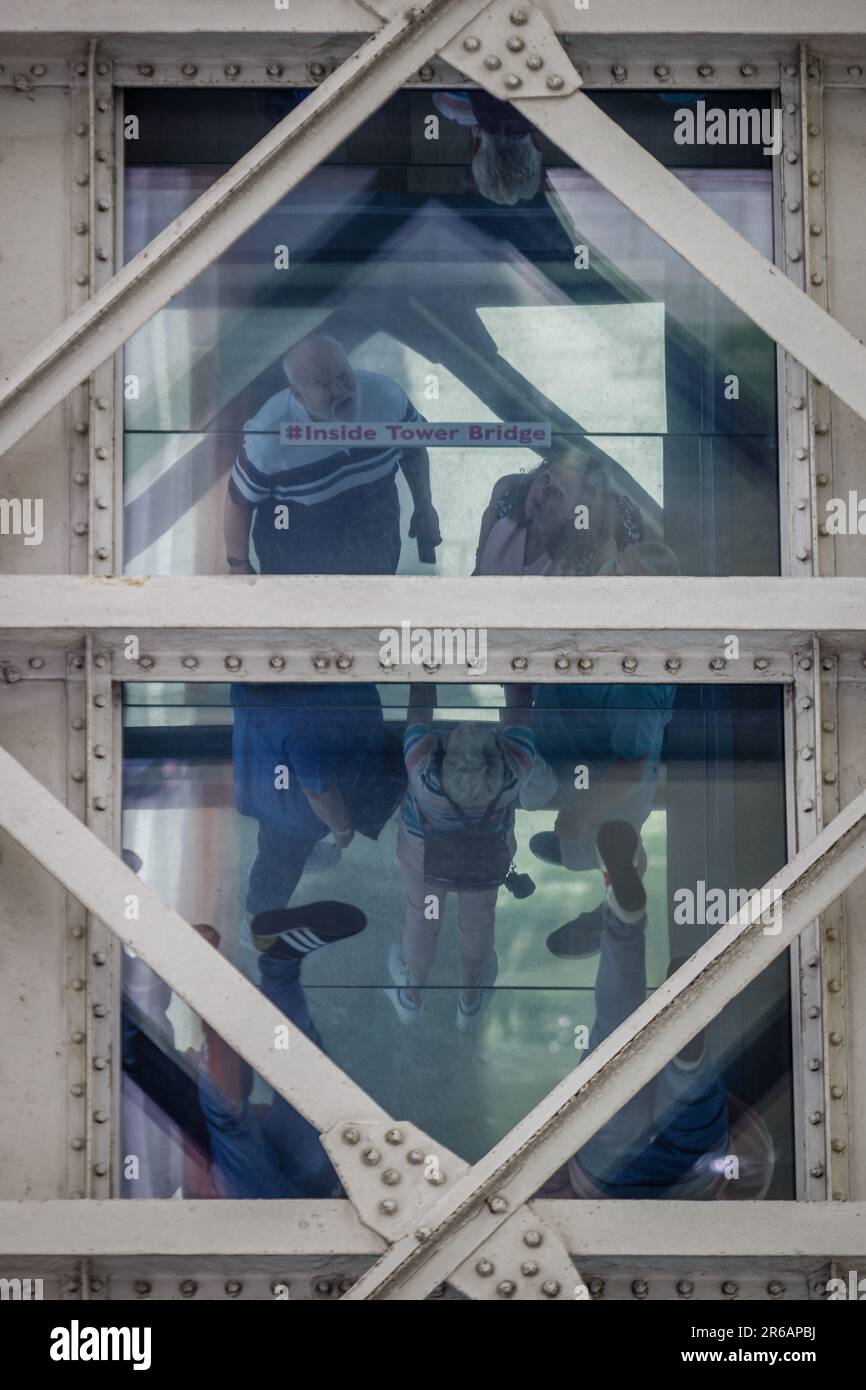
x,y
446,268
456,895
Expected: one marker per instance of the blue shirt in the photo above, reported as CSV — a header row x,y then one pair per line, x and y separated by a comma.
x,y
324,735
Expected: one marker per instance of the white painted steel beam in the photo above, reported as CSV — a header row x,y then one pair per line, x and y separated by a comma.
x,y
263,1228
662,17
624,1062
69,604
654,194
226,210
240,1013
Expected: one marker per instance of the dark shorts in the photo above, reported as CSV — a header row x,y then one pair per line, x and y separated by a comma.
x,y
355,533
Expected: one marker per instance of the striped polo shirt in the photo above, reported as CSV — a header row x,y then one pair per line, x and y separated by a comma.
x,y
424,789
311,475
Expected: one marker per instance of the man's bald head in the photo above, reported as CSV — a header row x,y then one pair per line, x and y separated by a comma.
x,y
321,378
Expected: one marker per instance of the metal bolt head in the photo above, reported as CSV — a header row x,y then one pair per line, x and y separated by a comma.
x,y
77,1144
529,1268
855,72
561,663
497,1205
274,70
277,663
233,1287
146,663
533,1239
512,81
514,44
519,15
100,1169
471,44
323,1286
534,62
351,1134
188,1287
705,70
394,1136
141,1286
423,1233
189,69
619,71
596,1287
391,1177
426,74
815,1117
371,1157
729,1288
640,1288
661,70
673,663
146,69
519,663
343,663
685,1288
100,803
485,1268
585,663
388,1206
814,1064
717,663
321,663
555,82
415,1156
233,663
491,62
506,1288
748,69
190,662
36,663
817,1170
231,70
629,663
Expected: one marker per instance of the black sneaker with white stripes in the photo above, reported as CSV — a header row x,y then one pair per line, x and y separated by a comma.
x,y
293,932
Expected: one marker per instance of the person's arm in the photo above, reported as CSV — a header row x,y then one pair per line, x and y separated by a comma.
x,y
491,514
237,520
424,526
330,807
422,703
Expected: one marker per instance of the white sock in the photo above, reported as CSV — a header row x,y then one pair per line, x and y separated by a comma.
x,y
628,918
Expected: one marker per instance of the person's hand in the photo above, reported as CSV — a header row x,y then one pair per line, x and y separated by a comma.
x,y
343,838
424,526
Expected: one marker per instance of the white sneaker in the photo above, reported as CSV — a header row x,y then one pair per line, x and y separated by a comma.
x,y
469,1019
406,1011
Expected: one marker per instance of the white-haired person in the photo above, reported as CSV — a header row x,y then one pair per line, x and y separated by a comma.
x,y
506,147
456,834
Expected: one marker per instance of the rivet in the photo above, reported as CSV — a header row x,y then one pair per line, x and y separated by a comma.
x,y
97,1285
471,45
321,663
519,663
81,427
533,1239
801,453
815,229
507,1288
80,528
77,931
798,403
629,663
529,1268
512,81
99,957
534,62
561,663
519,16
814,178
834,986
317,70
814,130
814,1064
233,1287
673,663
808,805
817,1170
729,1288
792,157
717,663
497,1204
81,69
146,69
351,1134
80,228
189,69
839,1197
274,70
426,74
100,803
815,1117
748,69
640,1288
662,71
813,962
775,1288
81,129
100,1169
829,778
816,278
102,104
855,72
415,1156
807,754
586,663
190,662
551,1288
790,70
82,278
838,1147
277,662
391,1177
388,1206
77,1089
141,1286
36,663
103,69
705,70
822,429
837,1092
423,1233
822,529
832,934
100,1011
805,703
491,62
485,1268
100,1116
146,663
685,1288
77,1144
101,452
343,663
77,1036
371,1157
231,70
232,663
514,44
795,256
555,82
596,1287
619,71
813,1011
761,663
188,1287
101,255
794,205
102,503
394,1136
803,553
101,552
